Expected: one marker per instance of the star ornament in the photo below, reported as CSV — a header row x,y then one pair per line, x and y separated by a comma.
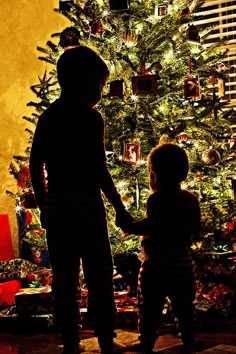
x,y
42,88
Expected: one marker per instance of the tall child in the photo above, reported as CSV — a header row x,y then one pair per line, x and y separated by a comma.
x,y
69,144
171,225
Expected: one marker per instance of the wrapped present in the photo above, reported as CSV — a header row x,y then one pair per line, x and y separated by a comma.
x,y
127,318
34,301
41,277
124,301
9,348
17,268
8,291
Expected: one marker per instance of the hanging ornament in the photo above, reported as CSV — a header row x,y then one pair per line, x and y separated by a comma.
x,y
166,139
119,4
69,37
66,5
183,137
144,85
185,11
117,89
131,152
191,87
192,34
211,156
130,38
160,10
95,27
199,176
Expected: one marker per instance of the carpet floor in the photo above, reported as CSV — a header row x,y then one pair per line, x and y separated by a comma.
x,y
126,339
41,344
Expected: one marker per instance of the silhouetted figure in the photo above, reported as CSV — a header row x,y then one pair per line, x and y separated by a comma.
x,y
171,225
71,204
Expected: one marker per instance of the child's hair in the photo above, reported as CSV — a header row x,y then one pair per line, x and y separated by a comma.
x,y
76,64
169,162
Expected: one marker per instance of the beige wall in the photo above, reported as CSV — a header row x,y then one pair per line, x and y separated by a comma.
x,y
25,24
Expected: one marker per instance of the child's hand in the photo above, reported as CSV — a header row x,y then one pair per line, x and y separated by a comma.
x,y
122,218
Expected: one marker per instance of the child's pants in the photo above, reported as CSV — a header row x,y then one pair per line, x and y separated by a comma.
x,y
155,283
77,229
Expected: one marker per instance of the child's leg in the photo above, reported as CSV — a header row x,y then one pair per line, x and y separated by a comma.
x,y
182,304
98,272
151,300
64,253
66,291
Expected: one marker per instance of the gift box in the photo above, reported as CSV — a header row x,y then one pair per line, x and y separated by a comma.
x,y
41,277
34,301
8,291
127,317
17,268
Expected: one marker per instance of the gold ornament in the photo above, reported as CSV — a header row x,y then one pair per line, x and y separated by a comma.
x,y
211,156
130,38
165,139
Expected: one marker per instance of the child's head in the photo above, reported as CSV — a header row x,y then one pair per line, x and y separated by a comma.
x,y
168,165
82,73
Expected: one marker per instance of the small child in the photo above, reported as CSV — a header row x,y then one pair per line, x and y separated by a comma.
x,y
171,225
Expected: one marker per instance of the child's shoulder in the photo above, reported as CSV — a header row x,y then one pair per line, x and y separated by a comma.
x,y
189,195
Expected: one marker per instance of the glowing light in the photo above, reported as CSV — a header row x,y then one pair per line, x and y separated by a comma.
x,y
18,209
169,55
134,98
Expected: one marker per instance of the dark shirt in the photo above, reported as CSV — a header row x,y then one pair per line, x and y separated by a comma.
x,y
69,142
171,225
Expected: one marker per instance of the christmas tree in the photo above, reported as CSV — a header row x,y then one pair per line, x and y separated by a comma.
x,y
166,84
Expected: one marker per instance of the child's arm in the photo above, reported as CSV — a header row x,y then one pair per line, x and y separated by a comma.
x,y
107,184
142,226
137,227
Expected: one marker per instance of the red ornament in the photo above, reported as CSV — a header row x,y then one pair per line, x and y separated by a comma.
x,y
95,27
183,137
191,87
199,176
185,12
